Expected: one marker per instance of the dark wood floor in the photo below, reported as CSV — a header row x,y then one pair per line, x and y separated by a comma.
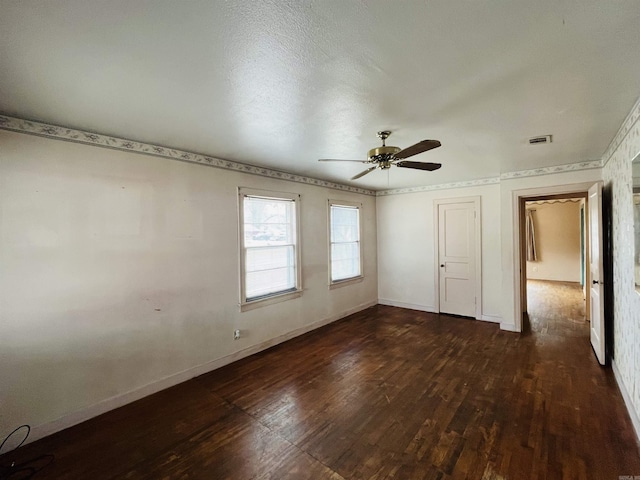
x,y
384,393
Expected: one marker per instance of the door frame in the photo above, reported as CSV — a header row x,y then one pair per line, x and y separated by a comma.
x,y
476,200
519,197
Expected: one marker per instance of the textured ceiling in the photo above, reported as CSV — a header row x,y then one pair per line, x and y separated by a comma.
x,y
282,83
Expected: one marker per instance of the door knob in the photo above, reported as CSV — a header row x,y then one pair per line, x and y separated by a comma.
x,y
595,282
442,265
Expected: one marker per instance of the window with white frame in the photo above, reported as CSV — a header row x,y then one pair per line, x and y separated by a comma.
x,y
345,252
270,255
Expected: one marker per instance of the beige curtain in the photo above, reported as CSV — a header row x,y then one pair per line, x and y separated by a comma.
x,y
532,255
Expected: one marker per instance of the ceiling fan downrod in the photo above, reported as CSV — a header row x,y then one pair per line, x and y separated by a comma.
x,y
384,134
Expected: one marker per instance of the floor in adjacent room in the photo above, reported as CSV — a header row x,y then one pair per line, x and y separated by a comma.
x,y
384,393
557,308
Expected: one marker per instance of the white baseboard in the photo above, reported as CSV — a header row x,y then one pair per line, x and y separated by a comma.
x,y
508,327
431,309
410,306
86,413
627,400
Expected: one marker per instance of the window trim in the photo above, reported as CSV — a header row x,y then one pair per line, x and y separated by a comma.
x,y
358,278
276,297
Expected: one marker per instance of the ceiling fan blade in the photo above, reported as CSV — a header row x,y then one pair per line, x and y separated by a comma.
x,y
419,165
362,174
419,147
341,160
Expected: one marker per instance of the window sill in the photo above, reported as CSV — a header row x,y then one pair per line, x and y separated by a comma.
x,y
345,282
263,302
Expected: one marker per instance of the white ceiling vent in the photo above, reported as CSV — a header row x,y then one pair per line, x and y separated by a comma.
x,y
540,139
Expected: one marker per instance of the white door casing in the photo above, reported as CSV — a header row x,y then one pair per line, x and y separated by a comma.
x,y
596,276
458,256
514,275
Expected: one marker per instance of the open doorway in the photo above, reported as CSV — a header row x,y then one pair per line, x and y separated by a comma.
x,y
556,264
595,273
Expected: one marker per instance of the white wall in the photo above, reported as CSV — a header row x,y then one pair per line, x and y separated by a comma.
x,y
406,248
626,316
120,276
119,271
557,231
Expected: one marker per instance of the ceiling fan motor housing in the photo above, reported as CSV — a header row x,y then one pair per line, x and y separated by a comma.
x,y
383,153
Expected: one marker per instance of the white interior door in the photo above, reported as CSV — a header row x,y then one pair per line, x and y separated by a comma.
x,y
457,258
596,272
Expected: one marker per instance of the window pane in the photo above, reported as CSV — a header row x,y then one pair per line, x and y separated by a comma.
x,y
269,270
264,258
344,224
345,242
266,282
268,222
345,260
345,233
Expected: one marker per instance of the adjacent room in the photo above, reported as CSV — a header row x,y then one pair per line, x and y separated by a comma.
x,y
556,258
319,239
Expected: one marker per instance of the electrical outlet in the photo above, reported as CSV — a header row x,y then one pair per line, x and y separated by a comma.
x,y
236,334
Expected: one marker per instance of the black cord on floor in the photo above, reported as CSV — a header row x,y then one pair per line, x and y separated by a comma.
x,y
26,435
24,470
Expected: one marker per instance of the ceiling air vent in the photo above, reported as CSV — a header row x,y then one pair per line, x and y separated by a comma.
x,y
540,139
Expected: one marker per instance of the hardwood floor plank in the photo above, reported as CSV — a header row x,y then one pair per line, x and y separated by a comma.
x,y
384,393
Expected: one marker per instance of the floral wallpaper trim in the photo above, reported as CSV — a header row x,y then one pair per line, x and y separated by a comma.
x,y
95,139
627,125
442,186
89,138
571,167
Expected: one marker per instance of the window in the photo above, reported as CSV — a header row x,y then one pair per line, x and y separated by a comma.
x,y
270,257
345,253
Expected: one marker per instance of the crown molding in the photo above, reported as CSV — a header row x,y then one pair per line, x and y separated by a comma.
x,y
627,125
90,138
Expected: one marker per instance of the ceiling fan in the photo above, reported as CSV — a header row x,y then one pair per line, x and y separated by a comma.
x,y
384,157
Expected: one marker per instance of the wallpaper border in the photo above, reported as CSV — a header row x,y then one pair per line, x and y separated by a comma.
x,y
570,167
41,129
627,125
442,186
95,139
